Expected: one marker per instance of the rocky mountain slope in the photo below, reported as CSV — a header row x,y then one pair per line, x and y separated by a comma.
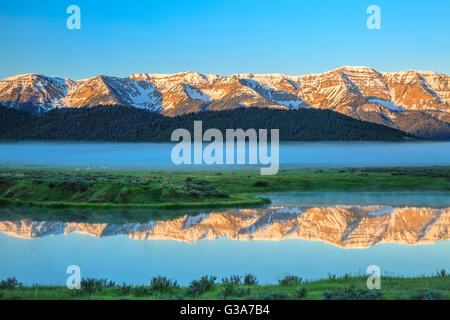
x,y
343,226
414,101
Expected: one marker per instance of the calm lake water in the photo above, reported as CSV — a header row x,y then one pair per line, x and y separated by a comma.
x,y
308,234
158,155
121,259
290,236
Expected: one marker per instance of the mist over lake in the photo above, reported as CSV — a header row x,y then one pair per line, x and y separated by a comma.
x,y
138,156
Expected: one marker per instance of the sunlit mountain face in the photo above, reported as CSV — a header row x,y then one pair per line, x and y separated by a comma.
x,y
343,226
412,101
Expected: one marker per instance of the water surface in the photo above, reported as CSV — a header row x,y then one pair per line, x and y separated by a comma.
x,y
309,234
120,258
310,241
158,155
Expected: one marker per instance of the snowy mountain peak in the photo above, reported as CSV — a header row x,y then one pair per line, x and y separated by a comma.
x,y
361,92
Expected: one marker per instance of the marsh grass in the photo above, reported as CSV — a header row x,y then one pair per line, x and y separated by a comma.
x,y
351,287
176,190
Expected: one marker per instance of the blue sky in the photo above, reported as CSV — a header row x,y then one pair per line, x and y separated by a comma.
x,y
120,38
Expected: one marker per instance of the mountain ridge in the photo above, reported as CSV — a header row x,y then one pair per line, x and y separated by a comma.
x,y
417,102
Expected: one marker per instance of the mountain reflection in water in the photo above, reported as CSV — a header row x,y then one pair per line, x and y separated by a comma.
x,y
343,226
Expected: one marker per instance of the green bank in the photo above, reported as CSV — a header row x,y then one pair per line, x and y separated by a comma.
x,y
289,287
182,190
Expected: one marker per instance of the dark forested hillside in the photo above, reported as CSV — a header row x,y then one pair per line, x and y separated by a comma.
x,y
120,123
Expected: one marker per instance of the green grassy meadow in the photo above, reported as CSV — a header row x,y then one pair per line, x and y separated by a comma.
x,y
178,190
347,287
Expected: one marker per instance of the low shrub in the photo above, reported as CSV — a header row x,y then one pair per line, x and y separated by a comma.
x,y
10,284
233,279
426,295
260,183
346,276
441,273
232,290
289,280
197,287
125,289
141,291
302,293
353,294
276,296
162,283
228,290
92,286
250,279
332,276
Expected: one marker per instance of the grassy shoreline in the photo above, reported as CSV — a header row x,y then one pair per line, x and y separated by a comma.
x,y
181,190
289,287
171,206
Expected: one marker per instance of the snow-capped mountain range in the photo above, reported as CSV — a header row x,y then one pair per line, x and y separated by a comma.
x,y
410,100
